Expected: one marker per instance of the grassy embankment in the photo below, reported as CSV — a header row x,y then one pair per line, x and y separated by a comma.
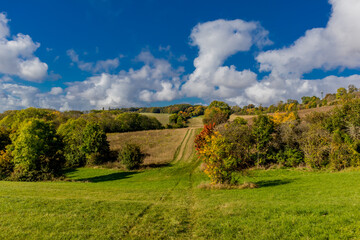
x,y
165,202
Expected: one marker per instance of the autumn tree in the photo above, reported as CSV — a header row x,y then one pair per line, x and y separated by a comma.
x,y
218,112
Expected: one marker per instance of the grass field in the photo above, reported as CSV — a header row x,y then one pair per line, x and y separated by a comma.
x,y
159,145
166,203
163,118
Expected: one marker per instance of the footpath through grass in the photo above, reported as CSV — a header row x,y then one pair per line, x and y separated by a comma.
x,y
166,203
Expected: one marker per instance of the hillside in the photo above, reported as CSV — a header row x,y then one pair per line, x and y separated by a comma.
x,y
302,113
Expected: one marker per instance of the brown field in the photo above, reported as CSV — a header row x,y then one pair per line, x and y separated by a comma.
x,y
159,145
162,117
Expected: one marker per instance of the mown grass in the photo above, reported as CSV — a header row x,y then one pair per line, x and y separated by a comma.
x,y
167,203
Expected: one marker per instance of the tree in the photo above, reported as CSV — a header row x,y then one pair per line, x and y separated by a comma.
x,y
263,127
217,113
352,88
95,145
37,151
131,156
219,160
341,93
72,137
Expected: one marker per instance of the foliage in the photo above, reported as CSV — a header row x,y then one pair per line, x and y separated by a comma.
x,y
136,122
217,113
37,151
85,143
131,156
200,139
94,144
262,130
178,120
316,146
4,138
15,118
219,160
284,117
72,137
239,136
290,157
6,165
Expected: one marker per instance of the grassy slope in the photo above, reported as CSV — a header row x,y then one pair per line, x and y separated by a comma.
x,y
165,203
159,145
163,118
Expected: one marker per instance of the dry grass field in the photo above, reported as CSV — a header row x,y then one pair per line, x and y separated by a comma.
x,y
159,145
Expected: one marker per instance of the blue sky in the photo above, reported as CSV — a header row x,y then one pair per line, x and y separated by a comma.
x,y
93,54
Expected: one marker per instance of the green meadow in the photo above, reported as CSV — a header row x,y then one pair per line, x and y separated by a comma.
x,y
167,203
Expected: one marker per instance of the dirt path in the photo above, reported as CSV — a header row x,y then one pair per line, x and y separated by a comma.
x,y
186,147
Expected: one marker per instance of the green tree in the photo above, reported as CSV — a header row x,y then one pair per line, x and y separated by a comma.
x,y
72,137
94,145
37,151
341,93
131,156
263,128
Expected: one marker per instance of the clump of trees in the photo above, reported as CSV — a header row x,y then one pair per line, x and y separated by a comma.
x,y
322,140
216,113
180,118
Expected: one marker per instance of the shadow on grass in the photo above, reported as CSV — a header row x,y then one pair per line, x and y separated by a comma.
x,y
272,183
108,177
156,165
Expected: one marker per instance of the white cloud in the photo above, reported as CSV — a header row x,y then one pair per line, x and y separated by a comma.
x,y
17,55
155,81
218,40
336,45
94,67
56,91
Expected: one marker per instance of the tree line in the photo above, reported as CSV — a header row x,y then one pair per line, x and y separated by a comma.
x,y
322,140
37,144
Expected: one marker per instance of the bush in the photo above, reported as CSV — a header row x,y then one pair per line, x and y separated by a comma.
x,y
315,144
290,157
131,156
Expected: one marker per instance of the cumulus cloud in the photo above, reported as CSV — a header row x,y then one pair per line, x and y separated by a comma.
x,y
17,55
218,40
335,46
94,67
155,81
